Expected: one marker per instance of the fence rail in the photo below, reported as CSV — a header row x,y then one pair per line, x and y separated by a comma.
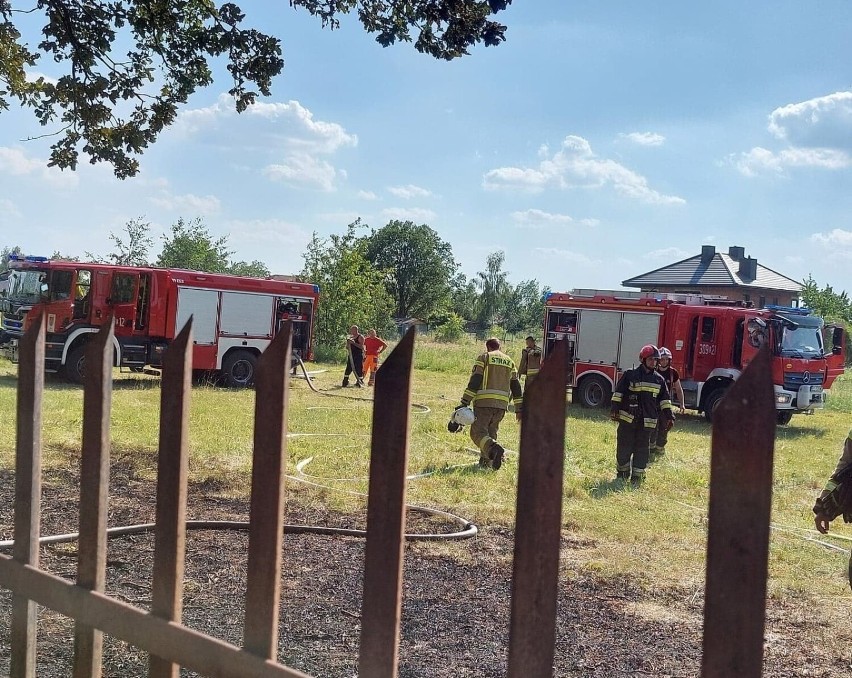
x,y
742,448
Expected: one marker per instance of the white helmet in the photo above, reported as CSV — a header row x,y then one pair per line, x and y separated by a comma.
x,y
464,416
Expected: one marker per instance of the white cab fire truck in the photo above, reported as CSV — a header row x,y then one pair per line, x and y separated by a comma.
x,y
711,339
234,317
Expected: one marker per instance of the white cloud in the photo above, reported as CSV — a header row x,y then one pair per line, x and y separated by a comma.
x,y
306,171
575,165
566,255
644,138
835,238
285,136
16,162
367,195
189,203
759,160
668,254
409,191
409,214
268,231
822,122
535,218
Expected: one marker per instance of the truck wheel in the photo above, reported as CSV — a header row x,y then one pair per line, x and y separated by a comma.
x,y
594,391
75,364
783,417
712,402
239,368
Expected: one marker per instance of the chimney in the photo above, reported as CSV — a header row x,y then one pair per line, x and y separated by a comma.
x,y
707,253
748,268
736,253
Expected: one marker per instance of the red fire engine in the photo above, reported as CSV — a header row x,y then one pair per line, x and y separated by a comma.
x,y
711,340
234,317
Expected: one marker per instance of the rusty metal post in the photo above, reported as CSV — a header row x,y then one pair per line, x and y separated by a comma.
x,y
538,521
172,473
381,602
94,492
27,493
266,513
738,529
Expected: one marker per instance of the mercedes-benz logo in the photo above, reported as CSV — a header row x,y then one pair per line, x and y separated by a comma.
x,y
806,377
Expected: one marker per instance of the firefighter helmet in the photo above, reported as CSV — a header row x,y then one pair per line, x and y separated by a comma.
x,y
649,351
464,416
665,353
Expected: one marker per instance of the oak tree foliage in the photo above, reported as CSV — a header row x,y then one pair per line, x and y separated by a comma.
x,y
126,66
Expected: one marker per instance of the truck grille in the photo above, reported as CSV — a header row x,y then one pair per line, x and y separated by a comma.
x,y
793,380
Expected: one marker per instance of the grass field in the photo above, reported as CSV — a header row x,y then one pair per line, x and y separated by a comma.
x,y
656,534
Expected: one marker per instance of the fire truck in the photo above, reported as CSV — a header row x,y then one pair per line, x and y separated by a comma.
x,y
234,317
712,340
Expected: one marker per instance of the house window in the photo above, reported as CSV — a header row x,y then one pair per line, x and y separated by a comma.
x,y
746,297
762,302
775,300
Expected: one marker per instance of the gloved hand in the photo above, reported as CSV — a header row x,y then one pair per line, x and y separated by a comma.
x,y
453,427
613,414
669,424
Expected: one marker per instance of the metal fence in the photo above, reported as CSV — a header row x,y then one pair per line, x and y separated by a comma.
x,y
741,470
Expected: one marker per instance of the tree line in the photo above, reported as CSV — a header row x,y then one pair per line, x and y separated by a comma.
x,y
369,277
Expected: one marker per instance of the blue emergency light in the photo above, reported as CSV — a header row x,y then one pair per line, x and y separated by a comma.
x,y
18,257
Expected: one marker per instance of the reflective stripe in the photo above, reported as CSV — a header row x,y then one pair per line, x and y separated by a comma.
x,y
830,486
492,393
650,423
616,397
665,404
625,416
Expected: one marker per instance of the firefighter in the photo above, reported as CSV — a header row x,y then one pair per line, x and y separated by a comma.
x,y
660,435
493,382
373,347
640,399
836,498
530,361
355,358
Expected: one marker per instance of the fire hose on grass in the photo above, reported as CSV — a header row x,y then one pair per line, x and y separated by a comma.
x,y
465,528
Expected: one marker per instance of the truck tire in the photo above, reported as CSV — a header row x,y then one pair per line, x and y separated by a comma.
x,y
75,364
238,369
712,402
783,417
594,391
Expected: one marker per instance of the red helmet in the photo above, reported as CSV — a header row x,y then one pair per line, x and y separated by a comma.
x,y
665,353
649,351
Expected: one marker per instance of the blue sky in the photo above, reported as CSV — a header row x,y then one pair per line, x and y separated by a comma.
x,y
602,140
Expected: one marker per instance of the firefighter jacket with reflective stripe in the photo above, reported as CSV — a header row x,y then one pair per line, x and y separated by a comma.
x,y
493,382
642,396
835,498
530,361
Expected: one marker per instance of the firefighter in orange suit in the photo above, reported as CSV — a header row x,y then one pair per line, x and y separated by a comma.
x,y
640,399
373,346
493,383
530,361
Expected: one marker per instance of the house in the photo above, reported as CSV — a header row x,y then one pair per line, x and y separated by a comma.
x,y
732,275
403,324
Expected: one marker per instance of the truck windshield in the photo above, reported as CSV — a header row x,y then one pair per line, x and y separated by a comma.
x,y
26,286
801,337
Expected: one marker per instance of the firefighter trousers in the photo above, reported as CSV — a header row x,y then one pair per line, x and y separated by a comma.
x,y
483,430
633,448
371,364
660,434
